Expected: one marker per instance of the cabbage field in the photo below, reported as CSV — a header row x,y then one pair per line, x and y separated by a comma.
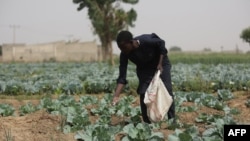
x,y
81,93
79,78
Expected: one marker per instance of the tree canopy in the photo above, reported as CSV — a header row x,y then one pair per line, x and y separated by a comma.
x,y
108,18
175,49
245,35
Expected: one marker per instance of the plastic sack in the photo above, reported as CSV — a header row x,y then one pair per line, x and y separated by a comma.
x,y
157,99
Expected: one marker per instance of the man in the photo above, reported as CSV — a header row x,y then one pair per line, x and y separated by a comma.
x,y
149,54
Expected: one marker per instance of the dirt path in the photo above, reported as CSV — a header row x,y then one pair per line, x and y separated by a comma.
x,y
33,127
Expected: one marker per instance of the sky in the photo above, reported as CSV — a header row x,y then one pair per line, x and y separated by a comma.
x,y
191,25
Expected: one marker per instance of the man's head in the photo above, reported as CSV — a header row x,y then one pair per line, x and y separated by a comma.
x,y
124,41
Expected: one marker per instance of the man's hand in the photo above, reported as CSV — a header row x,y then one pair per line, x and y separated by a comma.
x,y
117,93
115,100
159,67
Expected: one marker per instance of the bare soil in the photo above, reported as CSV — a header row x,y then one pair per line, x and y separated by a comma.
x,y
41,126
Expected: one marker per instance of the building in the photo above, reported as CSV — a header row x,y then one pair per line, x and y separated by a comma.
x,y
56,51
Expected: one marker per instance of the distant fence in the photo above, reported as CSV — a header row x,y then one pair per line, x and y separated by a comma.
x,y
58,51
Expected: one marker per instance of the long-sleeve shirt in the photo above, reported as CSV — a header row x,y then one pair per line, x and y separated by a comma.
x,y
146,58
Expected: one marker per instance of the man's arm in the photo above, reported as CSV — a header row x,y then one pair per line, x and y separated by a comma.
x,y
118,90
156,40
159,66
121,81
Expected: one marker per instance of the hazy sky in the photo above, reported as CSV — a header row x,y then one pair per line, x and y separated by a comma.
x,y
189,24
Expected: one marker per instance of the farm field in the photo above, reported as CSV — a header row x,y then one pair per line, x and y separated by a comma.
x,y
41,125
69,101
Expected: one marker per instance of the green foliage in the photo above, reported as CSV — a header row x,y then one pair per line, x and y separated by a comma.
x,y
72,78
207,118
202,99
225,95
75,117
210,78
247,103
213,133
8,134
108,18
245,35
189,134
141,132
188,109
13,87
208,58
80,78
175,49
26,109
97,132
212,102
6,110
88,100
216,131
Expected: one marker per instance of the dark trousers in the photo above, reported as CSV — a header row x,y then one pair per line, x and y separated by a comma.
x,y
166,78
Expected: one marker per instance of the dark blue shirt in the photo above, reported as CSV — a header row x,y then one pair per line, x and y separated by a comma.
x,y
145,57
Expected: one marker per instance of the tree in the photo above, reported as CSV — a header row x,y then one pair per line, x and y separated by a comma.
x,y
1,52
207,49
175,49
245,35
107,19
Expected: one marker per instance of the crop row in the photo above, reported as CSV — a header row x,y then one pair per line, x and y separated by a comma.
x,y
76,117
79,78
208,58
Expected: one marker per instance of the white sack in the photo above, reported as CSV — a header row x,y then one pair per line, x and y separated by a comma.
x,y
157,99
